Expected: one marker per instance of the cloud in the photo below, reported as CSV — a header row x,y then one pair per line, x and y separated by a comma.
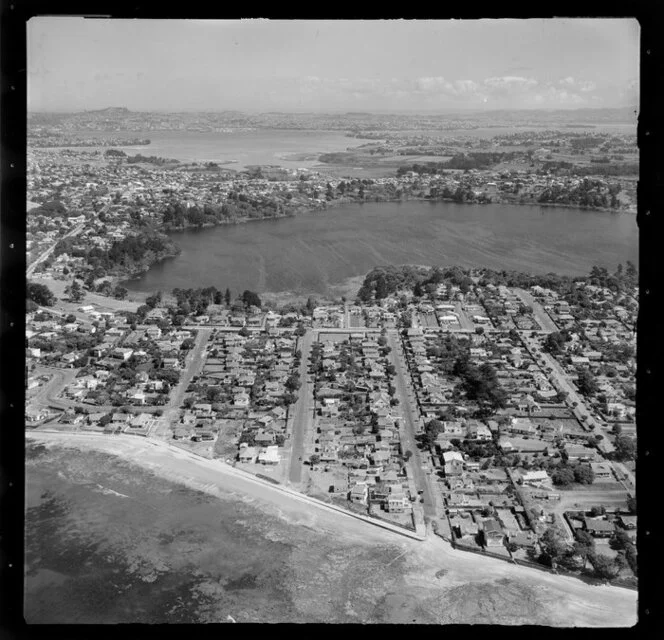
x,y
587,85
509,85
435,84
509,91
558,97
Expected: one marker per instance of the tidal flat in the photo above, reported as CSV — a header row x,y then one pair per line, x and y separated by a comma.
x,y
121,531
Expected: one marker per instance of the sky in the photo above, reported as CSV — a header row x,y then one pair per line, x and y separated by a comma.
x,y
77,64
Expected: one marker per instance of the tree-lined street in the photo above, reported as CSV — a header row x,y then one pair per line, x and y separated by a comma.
x,y
408,428
301,413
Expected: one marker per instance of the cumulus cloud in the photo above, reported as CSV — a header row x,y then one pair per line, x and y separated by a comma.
x,y
437,83
510,84
509,91
558,97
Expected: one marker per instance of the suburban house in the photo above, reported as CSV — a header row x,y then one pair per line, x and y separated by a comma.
x,y
248,454
492,533
359,493
454,464
397,502
536,478
269,455
599,528
601,471
580,452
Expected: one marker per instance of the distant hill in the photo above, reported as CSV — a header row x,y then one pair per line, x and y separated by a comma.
x,y
112,111
123,119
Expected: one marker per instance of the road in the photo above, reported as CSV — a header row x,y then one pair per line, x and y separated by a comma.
x,y
194,362
302,412
48,251
464,322
406,396
540,314
47,397
563,383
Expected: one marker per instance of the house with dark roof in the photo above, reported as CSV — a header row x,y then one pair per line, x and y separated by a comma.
x,y
492,533
599,528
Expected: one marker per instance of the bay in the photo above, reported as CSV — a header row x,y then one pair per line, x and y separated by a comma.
x,y
312,252
261,146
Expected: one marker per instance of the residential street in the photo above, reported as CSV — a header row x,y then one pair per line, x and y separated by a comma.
x,y
48,251
540,314
563,383
302,411
410,420
46,396
194,363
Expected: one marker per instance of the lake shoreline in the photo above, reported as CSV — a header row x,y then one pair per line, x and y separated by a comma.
x,y
314,252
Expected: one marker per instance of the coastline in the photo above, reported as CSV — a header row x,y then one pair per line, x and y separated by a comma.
x,y
571,602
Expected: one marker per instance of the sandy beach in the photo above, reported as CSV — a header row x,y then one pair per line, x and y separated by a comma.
x,y
441,584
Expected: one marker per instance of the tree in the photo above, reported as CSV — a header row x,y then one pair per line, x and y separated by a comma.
x,y
583,474
251,299
105,419
620,540
561,396
40,294
584,546
563,475
244,332
120,293
408,455
227,297
293,382
154,300
75,291
586,383
553,546
555,342
314,459
631,505
625,448
431,431
605,568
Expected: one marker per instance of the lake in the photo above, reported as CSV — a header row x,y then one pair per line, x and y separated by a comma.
x,y
311,252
